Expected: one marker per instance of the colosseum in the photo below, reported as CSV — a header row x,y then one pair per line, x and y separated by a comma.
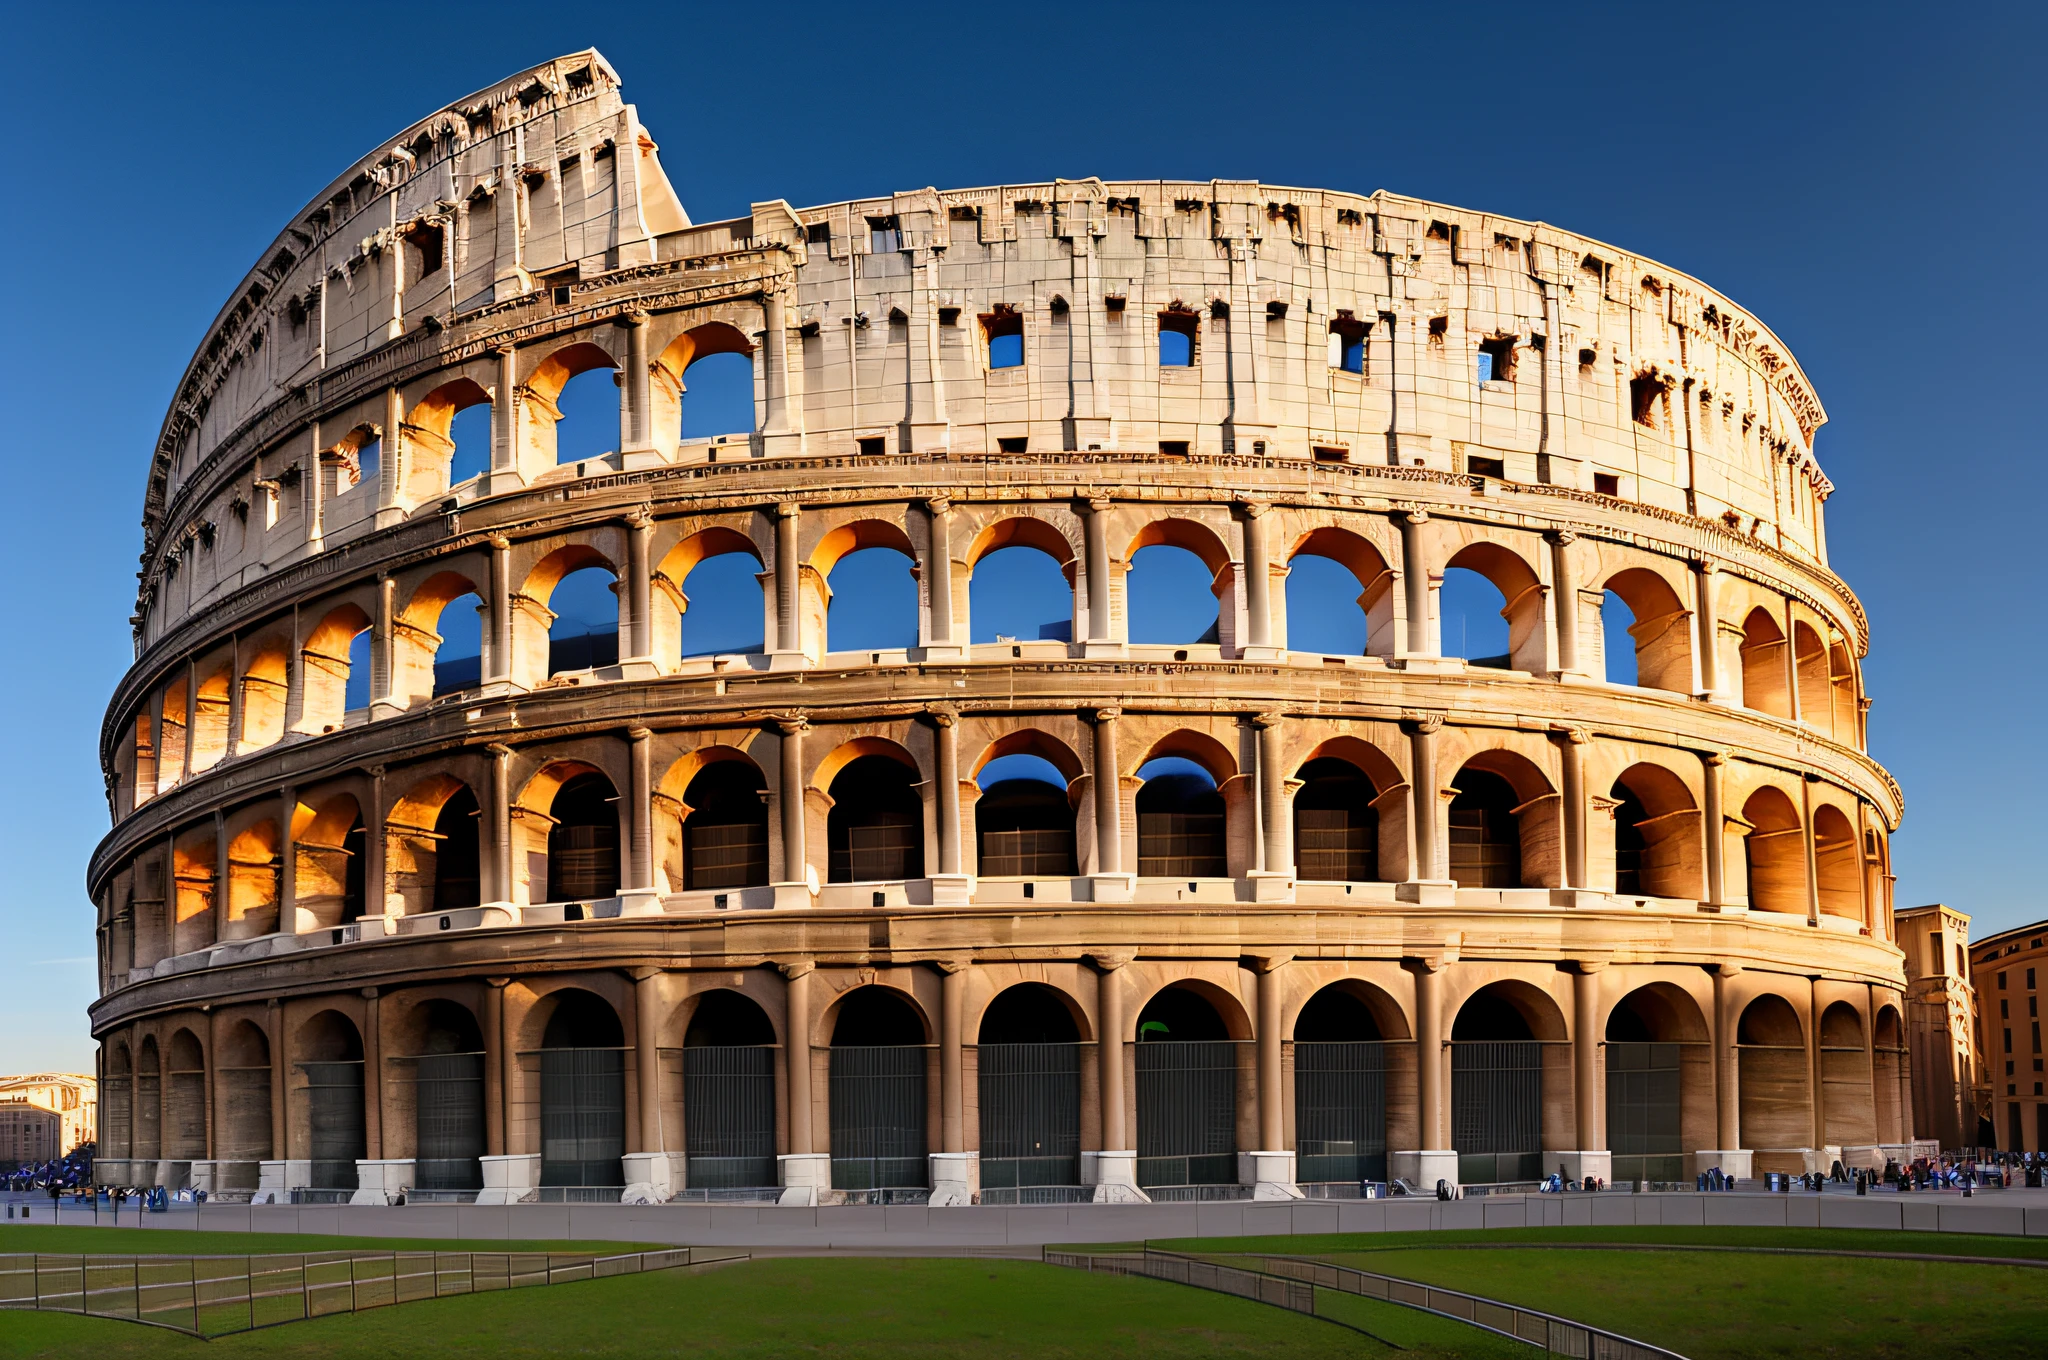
x,y
425,882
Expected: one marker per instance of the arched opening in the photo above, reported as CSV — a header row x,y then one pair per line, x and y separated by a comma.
x,y
333,1068
469,434
333,850
1020,594
1647,1034
1776,1114
1473,617
1657,850
726,612
1837,864
1774,853
718,396
1848,1114
458,859
253,879
117,1105
336,653
1496,1089
1180,821
210,719
459,658
1763,665
582,1100
356,688
1486,838
729,1095
1003,332
1647,632
1325,610
447,438
1177,332
873,604
184,1132
265,690
1336,827
725,831
1171,597
589,423
1888,1066
242,1092
1816,690
585,632
1187,1096
149,1101
448,1109
583,843
875,830
1029,1080
878,1093
1340,1089
1023,822
1616,619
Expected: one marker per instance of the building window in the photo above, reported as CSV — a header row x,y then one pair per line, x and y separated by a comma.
x,y
2030,979
1347,343
1004,330
1606,484
884,235
1177,330
2001,982
1497,359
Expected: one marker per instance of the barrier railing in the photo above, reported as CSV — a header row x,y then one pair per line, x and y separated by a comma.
x,y
209,1296
1291,1283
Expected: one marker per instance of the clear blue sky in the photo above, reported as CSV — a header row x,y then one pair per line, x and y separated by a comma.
x,y
1868,179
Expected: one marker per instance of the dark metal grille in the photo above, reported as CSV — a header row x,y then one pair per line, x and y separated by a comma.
x,y
731,856
1027,854
1181,845
729,1117
1030,1115
185,1131
1340,1111
1187,1113
1486,849
583,863
1497,1110
582,1117
334,1107
889,846
1642,1112
117,1108
878,1117
1336,845
149,1115
450,1112
245,1113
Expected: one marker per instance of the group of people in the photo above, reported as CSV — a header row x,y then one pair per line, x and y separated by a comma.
x,y
68,1172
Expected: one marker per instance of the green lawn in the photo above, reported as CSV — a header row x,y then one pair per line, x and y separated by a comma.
x,y
1804,1239
844,1309
180,1242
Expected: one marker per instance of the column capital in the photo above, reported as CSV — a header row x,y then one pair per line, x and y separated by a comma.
x,y
1097,503
1415,516
1265,720
640,519
1269,963
788,509
499,749
952,963
638,733
1573,736
1715,757
1706,566
1253,509
1726,970
632,318
501,543
797,968
1109,963
942,715
1421,724
792,724
498,981
644,972
1106,713
1563,538
938,505
369,993
1588,967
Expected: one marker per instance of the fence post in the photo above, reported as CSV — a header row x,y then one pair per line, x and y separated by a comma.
x,y
249,1288
305,1292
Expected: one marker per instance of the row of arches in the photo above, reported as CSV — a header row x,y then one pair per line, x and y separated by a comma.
x,y
1352,1060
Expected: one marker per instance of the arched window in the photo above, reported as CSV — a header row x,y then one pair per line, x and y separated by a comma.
x,y
1023,823
1187,1096
331,1056
874,602
1847,1109
184,1133
583,844
1629,844
726,614
356,690
449,1103
1347,343
1336,829
457,855
1030,1088
149,1102
470,432
1774,853
729,1095
1177,333
1323,610
589,427
1340,1090
875,830
1180,821
725,835
582,1101
242,1076
1003,330
329,877
718,396
1763,665
1496,1092
1616,618
1645,1082
1838,864
1019,594
459,660
1775,1115
1486,842
1171,596
879,1094
585,632
1475,625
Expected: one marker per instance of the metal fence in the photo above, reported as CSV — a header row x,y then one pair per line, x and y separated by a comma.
x,y
209,1296
1292,1283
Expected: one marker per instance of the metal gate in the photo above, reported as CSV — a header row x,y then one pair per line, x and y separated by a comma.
x,y
582,1118
1030,1115
1497,1110
1642,1112
149,1115
1181,845
449,1108
1340,1111
878,1117
731,856
729,1117
117,1115
1187,1112
334,1108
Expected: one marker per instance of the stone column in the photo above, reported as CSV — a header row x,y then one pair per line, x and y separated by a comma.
x,y
1589,1099
639,595
1273,880
1095,533
1415,581
1793,704
235,682
789,642
647,1062
1110,882
1806,846
1272,1096
952,1064
1258,584
939,565
494,1066
502,880
635,395
1708,626
373,1075
1813,1072
775,364
1561,541
640,858
1730,1155
1433,1159
287,862
376,898
805,1171
1713,826
280,1126
1571,749
504,474
1113,1169
498,637
793,889
1430,876
949,885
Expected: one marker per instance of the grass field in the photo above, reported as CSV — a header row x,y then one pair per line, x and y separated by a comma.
x,y
1803,1239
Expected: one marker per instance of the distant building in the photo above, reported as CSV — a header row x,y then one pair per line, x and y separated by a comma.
x,y
1941,1025
73,1099
2008,971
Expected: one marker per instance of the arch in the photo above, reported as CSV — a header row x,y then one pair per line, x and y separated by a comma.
x,y
1340,1085
1028,1071
1659,1082
1187,1079
1816,687
117,1103
880,1081
1031,741
242,1095
1336,822
1521,603
184,1129
1148,610
1657,847
1314,611
858,536
331,846
1503,824
325,669
582,1097
429,658
1498,1080
1024,824
433,846
729,1094
882,611
330,1050
702,546
1660,631
448,1092
584,633
1775,1116
589,428
1187,744
441,455
149,1101
725,824
1774,853
210,715
1181,821
1023,531
1846,708
254,869
1763,665
875,827
701,342
1838,868
583,842
458,862
844,754
266,691
1020,593
1890,1082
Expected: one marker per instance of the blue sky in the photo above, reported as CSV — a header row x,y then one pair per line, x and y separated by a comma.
x,y
1867,179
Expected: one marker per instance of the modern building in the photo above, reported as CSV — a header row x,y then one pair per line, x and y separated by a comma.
x,y
2008,971
29,1134
1943,1031
1443,754
74,1099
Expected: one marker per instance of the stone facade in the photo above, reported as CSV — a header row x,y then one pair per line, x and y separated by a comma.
x,y
1943,1029
2008,972
72,1098
1694,866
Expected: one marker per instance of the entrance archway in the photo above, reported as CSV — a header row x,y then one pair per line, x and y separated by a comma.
x,y
333,1065
1340,1090
728,1095
879,1095
1187,1096
1647,1033
1496,1089
448,1110
582,1101
1030,1088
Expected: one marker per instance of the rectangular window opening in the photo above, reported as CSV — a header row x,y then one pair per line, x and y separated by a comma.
x,y
1014,444
872,447
1174,448
1330,453
1606,484
1486,467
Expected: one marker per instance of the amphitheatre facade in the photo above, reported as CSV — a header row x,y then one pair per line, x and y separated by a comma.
x,y
1088,914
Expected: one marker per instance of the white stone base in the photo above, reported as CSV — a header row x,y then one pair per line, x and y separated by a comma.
x,y
956,1178
1423,1169
1112,888
806,1176
1737,1162
1114,1176
383,1180
1270,1174
1822,1159
789,895
951,890
652,1177
206,1176
275,1180
1269,886
1579,1165
788,661
1261,653
1428,892
172,1175
510,1179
